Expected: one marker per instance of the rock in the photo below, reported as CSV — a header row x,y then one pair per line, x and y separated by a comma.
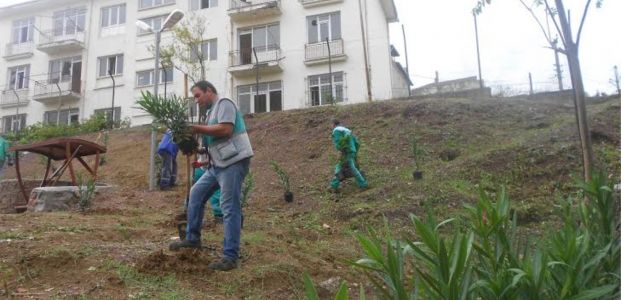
x,y
449,154
329,287
58,198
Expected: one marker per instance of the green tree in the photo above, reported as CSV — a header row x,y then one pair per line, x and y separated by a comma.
x,y
561,18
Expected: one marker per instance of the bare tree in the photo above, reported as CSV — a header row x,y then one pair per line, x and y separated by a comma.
x,y
184,52
561,18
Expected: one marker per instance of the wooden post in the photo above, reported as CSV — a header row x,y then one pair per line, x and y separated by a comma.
x,y
47,172
19,177
69,159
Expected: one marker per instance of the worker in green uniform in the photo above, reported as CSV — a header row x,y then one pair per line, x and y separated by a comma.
x,y
347,144
4,154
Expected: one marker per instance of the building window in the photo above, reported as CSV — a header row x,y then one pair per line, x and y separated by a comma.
x,y
65,117
208,51
13,123
111,65
108,113
155,23
269,97
69,22
143,4
145,78
202,4
319,88
113,15
324,26
23,31
61,70
265,40
19,77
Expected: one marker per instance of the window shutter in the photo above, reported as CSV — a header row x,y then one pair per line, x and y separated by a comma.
x,y
119,64
213,49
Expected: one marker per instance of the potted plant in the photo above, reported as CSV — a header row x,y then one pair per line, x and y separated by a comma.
x,y
417,153
284,181
170,112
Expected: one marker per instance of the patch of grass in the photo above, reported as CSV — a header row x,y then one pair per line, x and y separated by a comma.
x,y
145,286
254,237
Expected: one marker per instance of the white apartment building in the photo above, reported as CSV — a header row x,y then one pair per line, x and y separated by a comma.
x,y
58,54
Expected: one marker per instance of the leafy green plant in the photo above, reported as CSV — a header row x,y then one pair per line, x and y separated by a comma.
x,y
247,188
417,151
40,132
86,192
170,112
283,176
487,257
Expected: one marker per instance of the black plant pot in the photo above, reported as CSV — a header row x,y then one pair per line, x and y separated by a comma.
x,y
417,175
289,197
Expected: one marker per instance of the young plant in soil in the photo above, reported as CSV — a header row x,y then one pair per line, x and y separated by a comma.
x,y
417,153
247,189
284,181
170,112
86,193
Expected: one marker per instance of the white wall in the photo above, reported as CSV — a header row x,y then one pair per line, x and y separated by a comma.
x,y
124,39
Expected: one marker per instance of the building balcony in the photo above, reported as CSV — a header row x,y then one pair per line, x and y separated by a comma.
x,y
17,51
244,62
313,3
14,98
66,91
320,53
244,10
52,42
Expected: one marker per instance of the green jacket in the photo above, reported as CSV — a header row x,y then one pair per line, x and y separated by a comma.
x,y
344,140
4,149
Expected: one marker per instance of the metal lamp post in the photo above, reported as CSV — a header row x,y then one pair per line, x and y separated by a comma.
x,y
173,18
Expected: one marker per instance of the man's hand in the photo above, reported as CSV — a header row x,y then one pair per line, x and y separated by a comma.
x,y
217,130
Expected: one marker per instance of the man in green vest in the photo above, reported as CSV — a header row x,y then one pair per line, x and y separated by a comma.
x,y
230,151
4,154
347,144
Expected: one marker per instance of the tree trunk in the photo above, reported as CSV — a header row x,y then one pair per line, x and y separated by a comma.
x,y
579,99
571,50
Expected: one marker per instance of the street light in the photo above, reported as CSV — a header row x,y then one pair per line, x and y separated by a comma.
x,y
173,18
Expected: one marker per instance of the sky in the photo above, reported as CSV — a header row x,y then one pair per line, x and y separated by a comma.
x,y
441,37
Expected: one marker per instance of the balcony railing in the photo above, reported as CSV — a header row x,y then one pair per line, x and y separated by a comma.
x,y
239,4
18,50
14,97
64,90
247,57
319,51
244,10
309,3
52,41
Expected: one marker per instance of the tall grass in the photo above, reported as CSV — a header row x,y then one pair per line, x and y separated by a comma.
x,y
488,257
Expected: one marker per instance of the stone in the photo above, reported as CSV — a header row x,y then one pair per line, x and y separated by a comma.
x,y
329,287
11,195
58,198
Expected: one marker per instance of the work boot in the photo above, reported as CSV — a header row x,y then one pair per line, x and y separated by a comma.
x,y
175,246
223,264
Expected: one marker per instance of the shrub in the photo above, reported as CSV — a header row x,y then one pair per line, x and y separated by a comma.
x,y
485,258
86,192
283,176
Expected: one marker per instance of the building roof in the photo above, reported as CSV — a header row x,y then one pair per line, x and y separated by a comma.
x,y
404,74
390,9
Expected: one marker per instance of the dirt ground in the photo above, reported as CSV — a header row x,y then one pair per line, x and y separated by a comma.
x,y
119,248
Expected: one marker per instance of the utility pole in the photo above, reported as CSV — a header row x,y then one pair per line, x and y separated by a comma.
x,y
530,81
364,52
407,62
112,111
559,75
256,66
332,100
617,80
476,34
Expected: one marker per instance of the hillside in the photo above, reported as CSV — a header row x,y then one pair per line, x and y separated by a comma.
x,y
118,249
